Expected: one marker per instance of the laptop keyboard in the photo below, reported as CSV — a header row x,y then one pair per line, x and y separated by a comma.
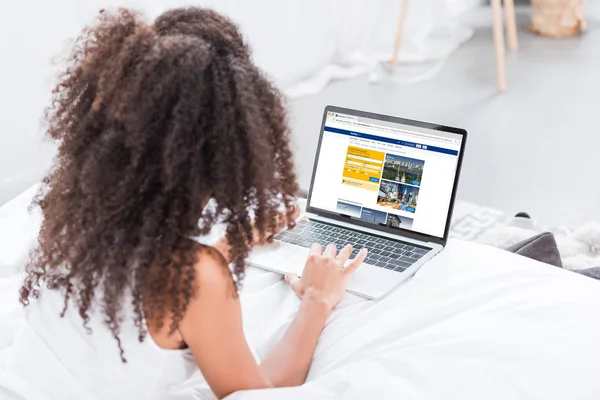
x,y
383,252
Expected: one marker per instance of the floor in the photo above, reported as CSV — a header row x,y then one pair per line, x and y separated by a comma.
x,y
533,148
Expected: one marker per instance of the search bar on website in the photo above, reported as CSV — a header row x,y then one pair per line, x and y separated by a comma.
x,y
364,159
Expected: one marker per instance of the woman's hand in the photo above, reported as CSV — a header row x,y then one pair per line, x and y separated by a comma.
x,y
326,275
223,245
280,224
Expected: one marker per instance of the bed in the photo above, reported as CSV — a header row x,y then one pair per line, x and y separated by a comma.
x,y
474,323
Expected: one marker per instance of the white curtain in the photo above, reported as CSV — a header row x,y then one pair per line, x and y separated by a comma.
x,y
303,44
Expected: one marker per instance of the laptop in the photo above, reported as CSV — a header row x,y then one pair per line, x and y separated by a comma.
x,y
380,182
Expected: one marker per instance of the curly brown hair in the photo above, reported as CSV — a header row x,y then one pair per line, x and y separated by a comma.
x,y
152,122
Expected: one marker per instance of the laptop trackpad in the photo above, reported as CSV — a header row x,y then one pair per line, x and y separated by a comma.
x,y
270,256
373,282
295,262
368,280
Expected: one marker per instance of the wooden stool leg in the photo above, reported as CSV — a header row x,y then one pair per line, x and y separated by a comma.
x,y
499,44
401,20
511,24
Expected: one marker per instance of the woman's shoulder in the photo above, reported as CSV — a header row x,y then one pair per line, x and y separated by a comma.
x,y
212,269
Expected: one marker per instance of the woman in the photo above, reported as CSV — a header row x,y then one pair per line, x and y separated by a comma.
x,y
153,121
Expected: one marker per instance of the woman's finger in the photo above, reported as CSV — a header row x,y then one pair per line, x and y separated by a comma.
x,y
282,219
330,250
316,249
356,262
344,254
289,278
296,212
280,224
294,281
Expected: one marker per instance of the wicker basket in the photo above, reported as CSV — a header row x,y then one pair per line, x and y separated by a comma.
x,y
558,18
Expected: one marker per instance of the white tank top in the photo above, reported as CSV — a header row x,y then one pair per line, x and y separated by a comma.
x,y
55,358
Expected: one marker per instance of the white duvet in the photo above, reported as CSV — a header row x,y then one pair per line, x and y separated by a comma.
x,y
474,323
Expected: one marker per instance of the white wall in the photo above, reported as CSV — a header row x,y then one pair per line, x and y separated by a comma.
x,y
32,33
291,39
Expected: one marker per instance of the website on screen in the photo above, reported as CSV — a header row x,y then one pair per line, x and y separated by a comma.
x,y
386,173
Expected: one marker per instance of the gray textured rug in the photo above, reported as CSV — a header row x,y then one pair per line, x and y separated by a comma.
x,y
470,221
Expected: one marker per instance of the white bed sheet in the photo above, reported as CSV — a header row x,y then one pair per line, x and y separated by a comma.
x,y
476,322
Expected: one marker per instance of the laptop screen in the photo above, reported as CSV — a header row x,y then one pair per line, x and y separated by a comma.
x,y
386,173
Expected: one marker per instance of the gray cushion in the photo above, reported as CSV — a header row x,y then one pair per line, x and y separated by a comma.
x,y
540,247
591,272
543,248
